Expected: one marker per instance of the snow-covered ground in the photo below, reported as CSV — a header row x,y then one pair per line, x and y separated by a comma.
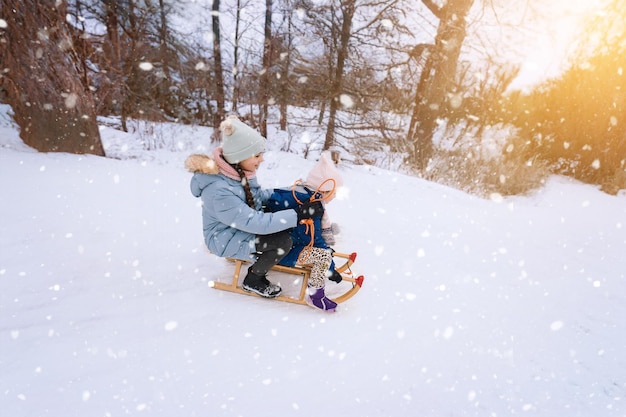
x,y
470,307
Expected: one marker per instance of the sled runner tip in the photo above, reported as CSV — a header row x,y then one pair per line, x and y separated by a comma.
x,y
351,258
359,280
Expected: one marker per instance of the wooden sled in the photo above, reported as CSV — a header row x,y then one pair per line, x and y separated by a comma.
x,y
305,272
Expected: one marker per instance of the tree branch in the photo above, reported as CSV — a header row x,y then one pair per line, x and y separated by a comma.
x,y
433,7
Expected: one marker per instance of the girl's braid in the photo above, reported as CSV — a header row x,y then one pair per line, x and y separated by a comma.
x,y
246,186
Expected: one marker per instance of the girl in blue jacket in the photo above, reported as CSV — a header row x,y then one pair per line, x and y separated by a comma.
x,y
234,224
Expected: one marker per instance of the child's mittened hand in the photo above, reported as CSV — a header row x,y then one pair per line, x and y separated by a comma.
x,y
310,209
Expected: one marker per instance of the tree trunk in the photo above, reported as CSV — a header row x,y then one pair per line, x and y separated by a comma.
x,y
217,63
438,77
284,94
83,48
265,72
163,32
111,93
236,93
54,110
347,10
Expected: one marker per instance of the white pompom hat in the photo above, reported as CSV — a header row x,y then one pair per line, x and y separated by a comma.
x,y
324,169
240,141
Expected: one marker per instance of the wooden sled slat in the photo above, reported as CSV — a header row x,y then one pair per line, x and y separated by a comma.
x,y
227,287
304,271
346,266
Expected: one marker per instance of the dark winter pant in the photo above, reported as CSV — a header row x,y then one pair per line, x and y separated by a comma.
x,y
271,249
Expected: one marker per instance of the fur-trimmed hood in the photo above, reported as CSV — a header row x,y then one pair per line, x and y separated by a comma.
x,y
203,164
215,164
205,171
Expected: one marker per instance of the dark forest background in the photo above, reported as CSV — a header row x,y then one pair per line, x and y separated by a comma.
x,y
420,82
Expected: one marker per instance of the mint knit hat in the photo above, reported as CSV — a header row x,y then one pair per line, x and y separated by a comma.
x,y
240,141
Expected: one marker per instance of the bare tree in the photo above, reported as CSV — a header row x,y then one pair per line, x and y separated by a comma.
x,y
41,76
137,32
347,8
163,39
332,24
266,70
358,38
217,64
284,62
438,76
111,92
236,69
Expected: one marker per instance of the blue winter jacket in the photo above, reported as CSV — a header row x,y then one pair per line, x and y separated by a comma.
x,y
283,199
229,224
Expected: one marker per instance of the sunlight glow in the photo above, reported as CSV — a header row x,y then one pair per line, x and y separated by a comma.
x,y
551,44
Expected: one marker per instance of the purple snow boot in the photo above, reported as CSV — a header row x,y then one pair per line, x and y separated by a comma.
x,y
316,298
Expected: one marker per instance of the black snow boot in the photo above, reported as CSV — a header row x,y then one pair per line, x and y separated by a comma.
x,y
260,285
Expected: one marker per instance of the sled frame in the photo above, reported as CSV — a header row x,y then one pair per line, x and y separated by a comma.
x,y
305,273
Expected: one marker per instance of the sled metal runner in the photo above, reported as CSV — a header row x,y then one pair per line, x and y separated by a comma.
x,y
305,272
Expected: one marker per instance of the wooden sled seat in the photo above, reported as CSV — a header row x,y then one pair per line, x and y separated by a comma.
x,y
305,272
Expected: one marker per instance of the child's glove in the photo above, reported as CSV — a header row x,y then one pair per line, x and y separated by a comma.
x,y
309,210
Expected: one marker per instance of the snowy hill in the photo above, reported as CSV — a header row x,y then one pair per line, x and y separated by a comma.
x,y
470,307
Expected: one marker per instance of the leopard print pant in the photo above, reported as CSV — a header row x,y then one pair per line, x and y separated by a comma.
x,y
319,260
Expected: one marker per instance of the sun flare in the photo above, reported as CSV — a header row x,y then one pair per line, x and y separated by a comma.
x,y
555,39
